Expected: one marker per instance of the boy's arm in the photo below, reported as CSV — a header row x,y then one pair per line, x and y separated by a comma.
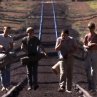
x,y
58,45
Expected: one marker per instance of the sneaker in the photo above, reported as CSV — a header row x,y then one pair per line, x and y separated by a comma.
x,y
68,91
61,90
54,71
36,87
3,89
29,88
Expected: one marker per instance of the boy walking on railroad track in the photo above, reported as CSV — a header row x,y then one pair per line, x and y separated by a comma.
x,y
90,43
66,45
31,44
6,45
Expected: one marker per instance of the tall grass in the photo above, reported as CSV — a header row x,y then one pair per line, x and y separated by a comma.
x,y
92,4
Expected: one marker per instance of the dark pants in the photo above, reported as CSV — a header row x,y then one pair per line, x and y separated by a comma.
x,y
32,73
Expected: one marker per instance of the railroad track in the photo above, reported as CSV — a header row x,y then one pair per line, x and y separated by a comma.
x,y
49,29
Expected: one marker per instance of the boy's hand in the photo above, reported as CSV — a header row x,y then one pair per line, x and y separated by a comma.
x,y
45,54
2,48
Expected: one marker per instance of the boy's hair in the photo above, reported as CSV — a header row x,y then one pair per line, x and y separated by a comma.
x,y
7,27
29,29
66,31
91,25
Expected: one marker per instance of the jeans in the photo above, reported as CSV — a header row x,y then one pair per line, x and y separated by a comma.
x,y
91,69
5,76
32,73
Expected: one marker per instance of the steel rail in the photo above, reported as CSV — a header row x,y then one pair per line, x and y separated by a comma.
x,y
55,23
41,21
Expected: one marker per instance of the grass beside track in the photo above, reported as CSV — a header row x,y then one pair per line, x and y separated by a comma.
x,y
93,4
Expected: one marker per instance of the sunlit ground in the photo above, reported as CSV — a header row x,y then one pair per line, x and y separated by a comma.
x,y
93,4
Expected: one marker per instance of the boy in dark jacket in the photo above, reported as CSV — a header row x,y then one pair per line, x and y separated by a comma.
x,y
31,44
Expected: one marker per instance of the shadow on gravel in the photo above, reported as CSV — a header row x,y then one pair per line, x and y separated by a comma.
x,y
45,65
49,44
79,66
79,73
23,73
45,73
53,82
82,82
74,33
14,83
17,67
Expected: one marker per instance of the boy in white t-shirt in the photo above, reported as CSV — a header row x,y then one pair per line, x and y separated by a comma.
x,y
6,44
